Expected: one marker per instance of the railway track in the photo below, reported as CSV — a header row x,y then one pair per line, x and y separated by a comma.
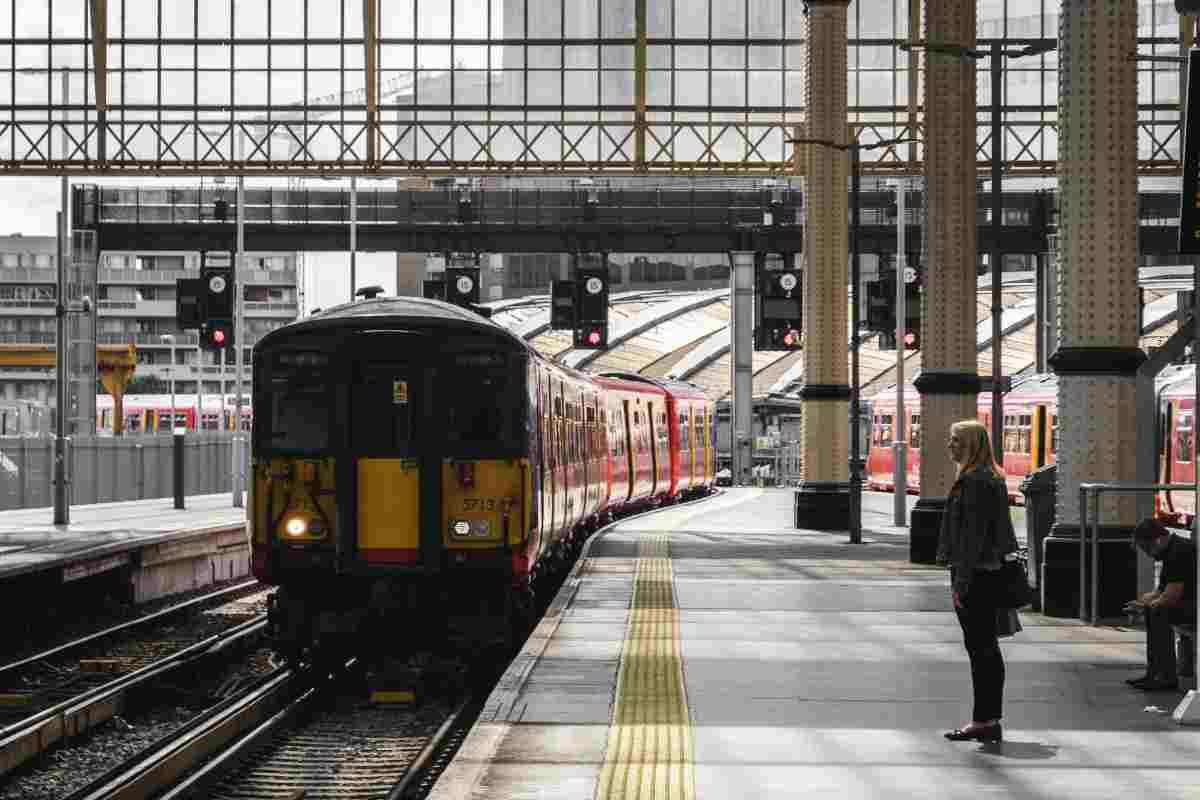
x,y
294,735
68,690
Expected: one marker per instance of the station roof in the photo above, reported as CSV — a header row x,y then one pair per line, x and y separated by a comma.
x,y
685,336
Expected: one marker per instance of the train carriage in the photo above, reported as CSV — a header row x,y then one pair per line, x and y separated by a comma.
x,y
1030,430
413,460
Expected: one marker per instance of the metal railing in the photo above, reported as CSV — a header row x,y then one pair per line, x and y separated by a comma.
x,y
1089,498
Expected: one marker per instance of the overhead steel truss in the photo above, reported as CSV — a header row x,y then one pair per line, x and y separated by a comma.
x,y
534,220
375,87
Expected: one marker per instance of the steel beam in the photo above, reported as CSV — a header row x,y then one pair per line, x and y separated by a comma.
x,y
371,75
741,331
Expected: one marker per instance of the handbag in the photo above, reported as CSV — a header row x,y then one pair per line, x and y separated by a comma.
x,y
1013,590
1008,622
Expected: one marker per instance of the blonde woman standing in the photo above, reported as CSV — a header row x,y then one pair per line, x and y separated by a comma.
x,y
976,534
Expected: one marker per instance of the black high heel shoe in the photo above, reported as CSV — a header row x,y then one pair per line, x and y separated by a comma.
x,y
988,733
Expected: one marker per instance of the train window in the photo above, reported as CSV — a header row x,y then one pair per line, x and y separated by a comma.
x,y
914,429
301,410
883,430
1023,438
1054,433
1184,441
1011,434
483,408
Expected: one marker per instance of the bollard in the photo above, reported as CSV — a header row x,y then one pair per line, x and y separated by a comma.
x,y
178,453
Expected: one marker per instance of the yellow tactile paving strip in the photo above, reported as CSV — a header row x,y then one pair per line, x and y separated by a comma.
x,y
649,754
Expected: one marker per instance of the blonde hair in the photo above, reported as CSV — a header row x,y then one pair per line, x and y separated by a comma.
x,y
978,453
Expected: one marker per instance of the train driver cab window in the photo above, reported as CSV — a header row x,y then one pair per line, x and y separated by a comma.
x,y
299,402
482,403
1186,440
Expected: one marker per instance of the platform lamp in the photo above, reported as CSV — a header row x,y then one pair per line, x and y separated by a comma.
x,y
856,461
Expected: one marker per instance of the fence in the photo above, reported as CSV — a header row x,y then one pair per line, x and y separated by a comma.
x,y
107,470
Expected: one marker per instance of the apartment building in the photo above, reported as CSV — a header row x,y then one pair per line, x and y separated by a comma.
x,y
135,304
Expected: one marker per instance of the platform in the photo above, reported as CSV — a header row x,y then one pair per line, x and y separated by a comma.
x,y
755,660
166,550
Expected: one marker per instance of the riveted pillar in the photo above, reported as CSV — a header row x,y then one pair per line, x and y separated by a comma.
x,y
1097,356
823,501
948,382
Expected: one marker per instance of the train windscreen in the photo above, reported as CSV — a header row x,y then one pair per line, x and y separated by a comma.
x,y
299,400
483,399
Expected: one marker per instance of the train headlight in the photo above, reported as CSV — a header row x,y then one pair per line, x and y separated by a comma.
x,y
461,528
296,526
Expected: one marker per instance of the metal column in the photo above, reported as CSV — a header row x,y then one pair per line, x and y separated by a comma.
x,y
237,475
1098,353
823,500
354,238
62,490
899,428
741,331
994,256
949,381
62,495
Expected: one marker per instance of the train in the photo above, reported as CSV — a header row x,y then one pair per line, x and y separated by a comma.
x,y
151,413
1030,430
421,476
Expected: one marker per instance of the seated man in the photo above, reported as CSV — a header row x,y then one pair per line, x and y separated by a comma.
x,y
1174,602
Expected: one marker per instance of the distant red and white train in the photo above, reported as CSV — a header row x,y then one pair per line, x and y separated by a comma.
x,y
151,413
1030,428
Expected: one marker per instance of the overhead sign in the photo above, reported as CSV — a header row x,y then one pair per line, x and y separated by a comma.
x,y
1189,201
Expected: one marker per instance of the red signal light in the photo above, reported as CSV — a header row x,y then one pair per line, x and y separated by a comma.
x,y
910,339
792,338
218,336
593,337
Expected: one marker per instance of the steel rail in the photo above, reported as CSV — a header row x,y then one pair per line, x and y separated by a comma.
x,y
124,626
33,735
150,771
417,767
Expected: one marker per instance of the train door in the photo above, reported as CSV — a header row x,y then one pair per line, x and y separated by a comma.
x,y
1037,438
564,458
395,466
687,451
632,449
545,456
1166,451
1183,465
655,484
622,479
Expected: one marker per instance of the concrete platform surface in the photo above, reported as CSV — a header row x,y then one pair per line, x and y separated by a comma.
x,y
809,667
31,542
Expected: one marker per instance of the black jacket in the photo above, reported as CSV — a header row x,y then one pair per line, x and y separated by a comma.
x,y
977,530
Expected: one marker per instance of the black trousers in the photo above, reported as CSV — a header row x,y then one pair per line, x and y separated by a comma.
x,y
1160,645
978,621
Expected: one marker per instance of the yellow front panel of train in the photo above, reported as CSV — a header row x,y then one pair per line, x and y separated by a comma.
x,y
389,510
292,491
477,497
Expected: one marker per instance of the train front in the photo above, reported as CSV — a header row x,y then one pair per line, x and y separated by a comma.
x,y
391,488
